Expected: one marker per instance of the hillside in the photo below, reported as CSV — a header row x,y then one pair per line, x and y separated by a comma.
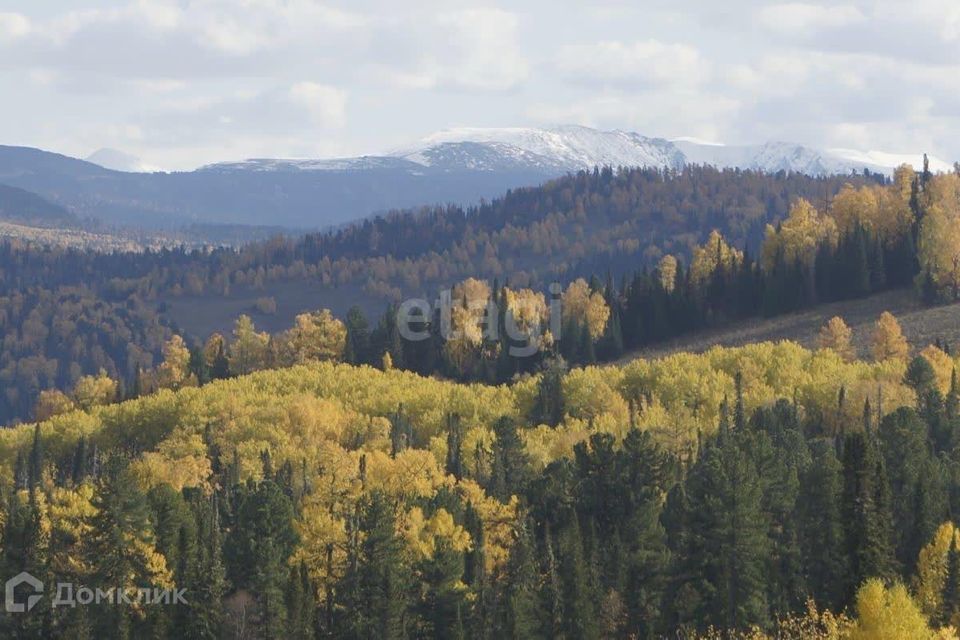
x,y
458,166
922,326
23,207
305,486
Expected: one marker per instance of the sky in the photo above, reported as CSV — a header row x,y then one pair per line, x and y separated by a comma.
x,y
182,83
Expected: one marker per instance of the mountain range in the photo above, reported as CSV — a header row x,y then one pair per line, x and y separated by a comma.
x,y
456,165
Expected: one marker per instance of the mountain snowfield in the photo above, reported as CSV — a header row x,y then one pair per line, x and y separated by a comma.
x,y
571,148
455,166
119,161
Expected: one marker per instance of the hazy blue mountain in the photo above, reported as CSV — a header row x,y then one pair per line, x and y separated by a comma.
x,y
23,207
457,165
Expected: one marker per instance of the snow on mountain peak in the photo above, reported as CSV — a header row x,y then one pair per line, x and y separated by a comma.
x,y
552,151
120,161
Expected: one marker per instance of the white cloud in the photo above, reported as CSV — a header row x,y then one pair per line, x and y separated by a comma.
x,y
473,49
327,105
671,115
648,61
802,18
13,25
236,77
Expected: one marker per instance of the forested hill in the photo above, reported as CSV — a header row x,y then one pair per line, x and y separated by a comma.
x,y
631,233
17,205
627,218
768,490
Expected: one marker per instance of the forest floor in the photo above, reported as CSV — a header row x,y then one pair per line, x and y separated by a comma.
x,y
921,326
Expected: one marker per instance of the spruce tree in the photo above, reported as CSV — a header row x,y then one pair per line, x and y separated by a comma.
x,y
523,617
374,593
950,598
866,513
579,614
821,528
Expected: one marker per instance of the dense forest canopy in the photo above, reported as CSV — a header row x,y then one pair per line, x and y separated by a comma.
x,y
621,219
668,253
339,479
767,487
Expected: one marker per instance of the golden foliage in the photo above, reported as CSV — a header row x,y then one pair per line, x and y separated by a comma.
x,y
836,335
932,569
714,254
174,372
584,307
52,402
248,350
799,236
314,336
888,614
939,242
942,365
888,340
668,272
94,391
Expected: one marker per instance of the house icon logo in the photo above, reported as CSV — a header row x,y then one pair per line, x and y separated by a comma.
x,y
10,603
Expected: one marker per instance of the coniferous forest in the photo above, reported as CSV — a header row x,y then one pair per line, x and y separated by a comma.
x,y
338,479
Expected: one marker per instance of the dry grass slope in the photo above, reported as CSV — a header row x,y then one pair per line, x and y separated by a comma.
x,y
922,326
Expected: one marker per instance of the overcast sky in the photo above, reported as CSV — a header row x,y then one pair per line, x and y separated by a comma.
x,y
185,82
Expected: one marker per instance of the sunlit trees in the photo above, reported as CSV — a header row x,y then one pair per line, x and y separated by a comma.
x,y
92,391
668,272
174,372
714,254
933,567
314,336
52,402
581,306
888,342
797,238
888,613
939,241
836,335
248,349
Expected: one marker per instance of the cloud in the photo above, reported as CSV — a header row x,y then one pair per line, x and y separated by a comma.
x,y
643,62
327,105
650,113
13,25
802,18
471,49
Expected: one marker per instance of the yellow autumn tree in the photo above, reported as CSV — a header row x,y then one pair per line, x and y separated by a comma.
x,y
797,237
93,391
314,336
942,365
248,350
215,345
668,272
51,402
712,255
888,614
174,371
939,242
583,307
932,566
854,206
888,340
836,335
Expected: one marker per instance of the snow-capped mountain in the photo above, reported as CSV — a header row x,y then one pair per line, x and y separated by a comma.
x,y
459,166
120,161
560,149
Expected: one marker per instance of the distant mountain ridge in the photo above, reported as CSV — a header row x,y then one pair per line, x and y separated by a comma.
x,y
24,207
120,161
572,148
460,166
